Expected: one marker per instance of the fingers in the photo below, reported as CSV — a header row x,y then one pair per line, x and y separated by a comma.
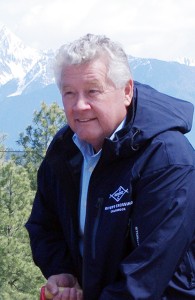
x,y
49,294
66,280
51,289
79,294
63,287
69,294
56,281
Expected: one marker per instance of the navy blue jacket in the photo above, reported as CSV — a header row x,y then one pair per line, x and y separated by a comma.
x,y
139,240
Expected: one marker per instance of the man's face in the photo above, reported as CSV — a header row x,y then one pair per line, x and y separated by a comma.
x,y
94,107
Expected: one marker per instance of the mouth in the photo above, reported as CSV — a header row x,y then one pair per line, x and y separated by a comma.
x,y
85,120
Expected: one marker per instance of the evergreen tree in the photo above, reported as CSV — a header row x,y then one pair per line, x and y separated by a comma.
x,y
19,278
38,136
2,148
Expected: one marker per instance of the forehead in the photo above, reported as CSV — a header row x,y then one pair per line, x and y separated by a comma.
x,y
94,71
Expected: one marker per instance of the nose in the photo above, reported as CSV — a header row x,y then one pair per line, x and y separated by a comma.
x,y
81,102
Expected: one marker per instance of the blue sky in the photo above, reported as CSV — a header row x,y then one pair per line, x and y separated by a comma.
x,y
146,28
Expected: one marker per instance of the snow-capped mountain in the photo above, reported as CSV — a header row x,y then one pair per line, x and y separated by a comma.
x,y
190,62
172,77
21,65
26,80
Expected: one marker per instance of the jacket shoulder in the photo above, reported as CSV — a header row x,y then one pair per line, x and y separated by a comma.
x,y
166,150
59,138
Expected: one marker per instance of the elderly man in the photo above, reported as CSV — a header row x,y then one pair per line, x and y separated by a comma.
x,y
113,217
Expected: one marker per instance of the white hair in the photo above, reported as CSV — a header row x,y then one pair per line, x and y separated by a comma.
x,y
89,48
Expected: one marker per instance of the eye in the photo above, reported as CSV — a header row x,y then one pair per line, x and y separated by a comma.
x,y
94,91
68,93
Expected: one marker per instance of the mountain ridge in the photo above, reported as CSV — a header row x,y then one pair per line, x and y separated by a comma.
x,y
22,63
26,80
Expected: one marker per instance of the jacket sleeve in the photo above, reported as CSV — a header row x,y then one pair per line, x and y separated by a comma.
x,y
162,226
49,250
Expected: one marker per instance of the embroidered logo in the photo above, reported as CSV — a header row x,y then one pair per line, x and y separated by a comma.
x,y
119,193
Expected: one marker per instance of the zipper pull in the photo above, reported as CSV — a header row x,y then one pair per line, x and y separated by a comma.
x,y
99,203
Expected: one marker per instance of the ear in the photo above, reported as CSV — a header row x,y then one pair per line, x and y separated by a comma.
x,y
128,92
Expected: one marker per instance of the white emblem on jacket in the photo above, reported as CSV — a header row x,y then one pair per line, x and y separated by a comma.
x,y
119,193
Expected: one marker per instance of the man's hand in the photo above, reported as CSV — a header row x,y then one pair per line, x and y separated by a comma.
x,y
71,289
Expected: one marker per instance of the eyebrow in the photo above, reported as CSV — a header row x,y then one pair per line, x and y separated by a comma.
x,y
66,87
88,83
95,83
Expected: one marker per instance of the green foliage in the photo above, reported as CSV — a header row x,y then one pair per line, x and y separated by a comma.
x,y
20,279
38,136
2,148
18,275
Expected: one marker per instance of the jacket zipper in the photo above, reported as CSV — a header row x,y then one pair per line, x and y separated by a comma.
x,y
96,223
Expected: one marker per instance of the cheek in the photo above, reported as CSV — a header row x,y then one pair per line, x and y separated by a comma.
x,y
107,123
68,115
67,108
